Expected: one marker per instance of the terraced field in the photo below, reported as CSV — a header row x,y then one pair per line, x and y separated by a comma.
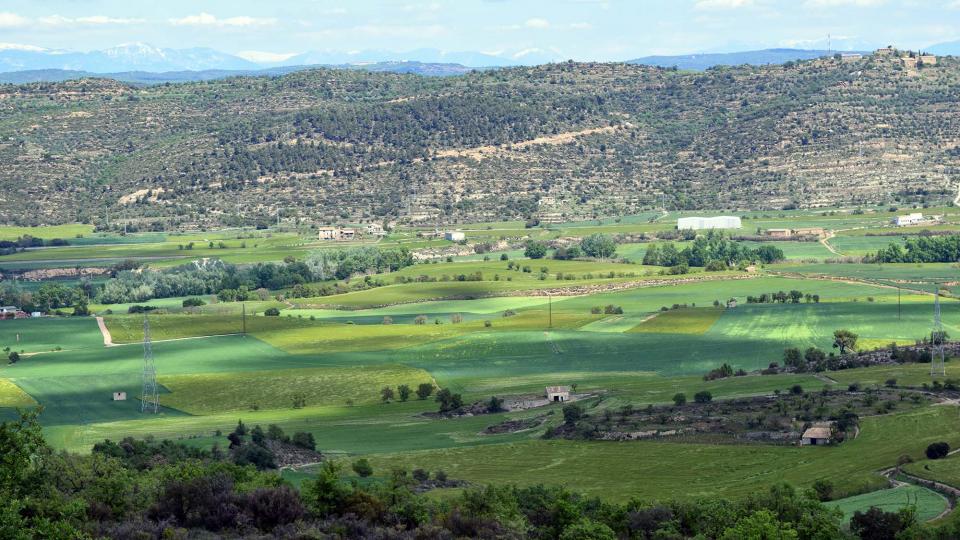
x,y
928,504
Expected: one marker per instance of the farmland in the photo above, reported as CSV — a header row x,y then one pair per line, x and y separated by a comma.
x,y
625,335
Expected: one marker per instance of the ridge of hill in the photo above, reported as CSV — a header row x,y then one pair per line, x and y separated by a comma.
x,y
575,139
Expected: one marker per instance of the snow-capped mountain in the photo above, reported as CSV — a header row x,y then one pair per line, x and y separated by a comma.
x,y
126,57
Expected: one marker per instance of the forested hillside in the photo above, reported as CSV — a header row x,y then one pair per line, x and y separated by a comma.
x,y
573,139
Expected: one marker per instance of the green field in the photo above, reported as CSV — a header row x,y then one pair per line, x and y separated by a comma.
x,y
208,393
11,396
681,321
927,503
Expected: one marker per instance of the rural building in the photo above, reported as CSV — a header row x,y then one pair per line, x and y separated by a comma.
x,y
119,396
558,393
928,59
11,312
817,434
454,236
36,314
850,57
348,234
328,233
909,219
810,231
779,233
717,222
375,229
885,51
732,303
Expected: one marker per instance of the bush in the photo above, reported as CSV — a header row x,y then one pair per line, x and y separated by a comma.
x,y
362,467
272,312
572,413
938,450
679,399
703,397
193,302
535,250
304,440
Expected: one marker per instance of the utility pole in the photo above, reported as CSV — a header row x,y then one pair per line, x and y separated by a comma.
x,y
244,318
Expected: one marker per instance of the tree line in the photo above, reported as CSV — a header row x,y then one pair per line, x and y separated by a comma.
x,y
712,251
148,489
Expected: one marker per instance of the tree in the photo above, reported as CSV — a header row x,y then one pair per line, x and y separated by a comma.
x,y
588,529
448,400
703,397
876,524
572,413
386,394
404,392
495,405
679,399
824,489
844,340
599,245
535,250
792,357
326,493
420,320
305,440
761,524
362,467
13,357
938,450
424,390
271,312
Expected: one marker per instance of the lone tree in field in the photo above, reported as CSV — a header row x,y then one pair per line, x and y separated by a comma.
x,y
572,413
386,394
844,340
938,450
420,319
535,250
404,392
424,390
703,397
679,399
599,245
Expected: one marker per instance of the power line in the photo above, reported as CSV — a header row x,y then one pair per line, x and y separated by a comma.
x,y
149,397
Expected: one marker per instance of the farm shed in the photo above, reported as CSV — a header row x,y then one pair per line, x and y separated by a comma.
x,y
817,435
454,236
717,222
779,233
119,396
558,393
909,219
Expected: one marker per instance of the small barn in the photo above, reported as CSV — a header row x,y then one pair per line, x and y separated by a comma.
x,y
558,393
817,435
732,303
119,396
454,236
779,233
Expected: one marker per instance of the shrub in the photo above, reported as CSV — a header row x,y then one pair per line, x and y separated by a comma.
x,y
272,312
304,440
679,399
938,450
362,467
703,397
572,413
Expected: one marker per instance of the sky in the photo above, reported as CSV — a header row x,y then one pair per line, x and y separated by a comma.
x,y
603,30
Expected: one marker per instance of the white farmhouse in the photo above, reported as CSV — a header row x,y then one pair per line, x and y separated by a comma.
x,y
909,219
717,222
455,236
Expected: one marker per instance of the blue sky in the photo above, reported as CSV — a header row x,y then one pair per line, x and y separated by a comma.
x,y
579,29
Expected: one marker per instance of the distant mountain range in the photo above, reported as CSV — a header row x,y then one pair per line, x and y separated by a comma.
x,y
756,58
145,64
149,77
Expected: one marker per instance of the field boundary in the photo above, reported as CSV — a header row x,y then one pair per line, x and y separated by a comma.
x,y
105,332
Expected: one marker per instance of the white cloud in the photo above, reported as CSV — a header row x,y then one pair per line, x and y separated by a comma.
x,y
264,57
12,20
206,19
93,20
842,3
955,4
537,23
708,5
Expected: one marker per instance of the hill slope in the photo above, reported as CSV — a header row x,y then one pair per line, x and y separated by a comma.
x,y
576,139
